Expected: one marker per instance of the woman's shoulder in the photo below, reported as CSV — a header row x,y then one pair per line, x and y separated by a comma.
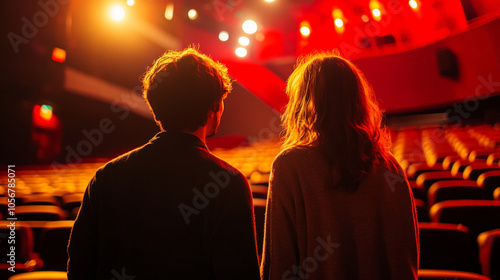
x,y
295,154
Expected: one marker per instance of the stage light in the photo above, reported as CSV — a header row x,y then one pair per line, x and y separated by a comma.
x,y
413,4
169,11
269,1
117,12
376,12
192,14
241,52
339,22
305,31
45,112
58,55
244,41
223,36
249,26
130,2
365,18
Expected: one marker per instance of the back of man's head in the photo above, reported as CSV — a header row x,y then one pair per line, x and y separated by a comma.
x,y
181,88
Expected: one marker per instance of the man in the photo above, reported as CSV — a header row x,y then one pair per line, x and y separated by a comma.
x,y
170,209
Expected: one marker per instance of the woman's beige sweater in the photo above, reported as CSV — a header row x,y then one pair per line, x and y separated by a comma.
x,y
314,231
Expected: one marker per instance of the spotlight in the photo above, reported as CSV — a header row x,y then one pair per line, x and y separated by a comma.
x,y
169,11
117,12
339,22
249,26
130,2
223,36
413,4
241,52
244,41
192,14
376,12
305,31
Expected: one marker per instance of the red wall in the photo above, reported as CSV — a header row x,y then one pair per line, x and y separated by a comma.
x,y
410,80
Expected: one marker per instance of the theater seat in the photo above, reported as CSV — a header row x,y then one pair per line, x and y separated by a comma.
x,y
39,199
425,180
447,246
473,170
453,190
53,243
41,275
259,191
477,215
25,257
72,202
431,274
416,169
480,155
459,166
40,213
449,161
489,181
489,253
260,219
496,194
493,159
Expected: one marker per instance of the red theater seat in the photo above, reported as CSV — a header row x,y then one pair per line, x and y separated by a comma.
x,y
41,275
453,190
489,181
39,199
431,274
53,243
425,180
489,253
477,215
493,159
447,246
496,194
25,258
259,191
472,171
40,213
449,161
416,169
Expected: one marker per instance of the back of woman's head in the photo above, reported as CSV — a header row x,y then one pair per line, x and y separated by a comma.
x,y
332,107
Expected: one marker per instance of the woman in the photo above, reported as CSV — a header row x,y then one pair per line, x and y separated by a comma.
x,y
339,206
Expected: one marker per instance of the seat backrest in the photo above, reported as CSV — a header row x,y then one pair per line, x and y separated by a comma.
x,y
447,246
431,274
41,275
53,243
425,180
453,190
40,213
473,170
489,181
477,215
489,252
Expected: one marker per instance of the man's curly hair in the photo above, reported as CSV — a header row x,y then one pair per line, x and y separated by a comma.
x,y
182,86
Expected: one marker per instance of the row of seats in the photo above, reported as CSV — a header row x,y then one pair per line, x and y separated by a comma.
x,y
442,246
452,172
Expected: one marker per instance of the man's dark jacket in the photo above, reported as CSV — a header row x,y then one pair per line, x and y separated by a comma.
x,y
167,210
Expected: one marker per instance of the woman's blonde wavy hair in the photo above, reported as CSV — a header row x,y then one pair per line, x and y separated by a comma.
x,y
333,108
